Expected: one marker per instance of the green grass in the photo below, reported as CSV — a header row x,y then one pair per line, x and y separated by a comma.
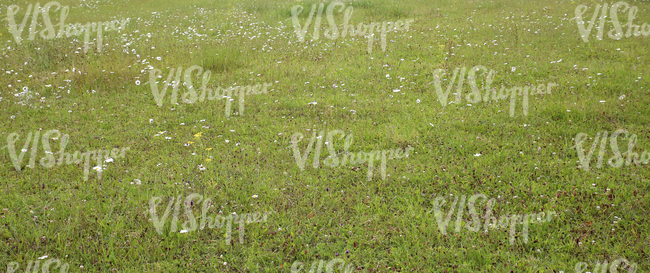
x,y
384,225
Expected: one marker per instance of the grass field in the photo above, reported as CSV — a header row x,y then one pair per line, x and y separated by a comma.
x,y
244,159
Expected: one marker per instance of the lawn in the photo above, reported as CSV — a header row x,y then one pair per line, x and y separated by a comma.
x,y
270,152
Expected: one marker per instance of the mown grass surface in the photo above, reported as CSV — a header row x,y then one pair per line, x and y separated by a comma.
x,y
527,163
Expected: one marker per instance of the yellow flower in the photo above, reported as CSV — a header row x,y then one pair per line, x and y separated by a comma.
x,y
198,135
207,149
208,159
190,142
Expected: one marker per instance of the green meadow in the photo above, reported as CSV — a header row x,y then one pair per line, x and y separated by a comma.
x,y
240,153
